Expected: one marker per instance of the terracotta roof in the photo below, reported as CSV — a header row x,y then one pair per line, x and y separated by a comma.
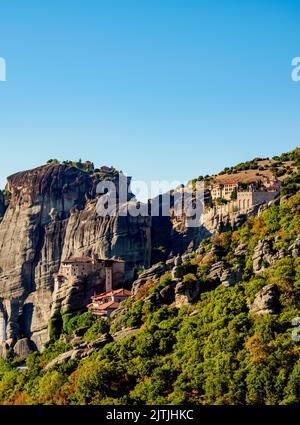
x,y
120,291
105,306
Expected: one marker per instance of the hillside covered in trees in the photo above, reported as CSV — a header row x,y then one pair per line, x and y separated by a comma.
x,y
234,344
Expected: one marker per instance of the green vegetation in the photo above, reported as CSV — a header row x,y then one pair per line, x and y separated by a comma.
x,y
278,167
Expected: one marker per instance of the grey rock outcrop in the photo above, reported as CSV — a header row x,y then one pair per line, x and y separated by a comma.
x,y
177,270
62,358
153,274
262,255
186,293
23,347
155,299
52,216
266,301
100,342
221,273
217,270
81,351
168,294
241,250
123,333
231,277
75,295
294,249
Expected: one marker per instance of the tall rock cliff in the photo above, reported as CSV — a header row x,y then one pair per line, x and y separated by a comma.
x,y
52,216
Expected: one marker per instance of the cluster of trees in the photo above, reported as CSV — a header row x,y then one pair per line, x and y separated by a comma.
x,y
85,166
278,167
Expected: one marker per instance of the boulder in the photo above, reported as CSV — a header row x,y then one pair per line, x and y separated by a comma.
x,y
241,250
294,249
266,301
154,299
177,272
231,277
152,274
24,347
168,294
262,255
215,250
186,293
217,270
124,333
62,358
156,269
170,263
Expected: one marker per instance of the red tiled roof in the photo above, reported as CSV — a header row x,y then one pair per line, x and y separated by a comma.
x,y
105,306
120,291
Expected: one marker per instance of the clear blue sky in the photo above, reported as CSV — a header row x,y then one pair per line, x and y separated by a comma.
x,y
167,89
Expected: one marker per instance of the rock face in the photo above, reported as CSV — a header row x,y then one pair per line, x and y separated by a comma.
x,y
262,255
75,296
87,349
241,250
231,277
294,249
123,333
52,216
23,347
221,272
266,301
186,293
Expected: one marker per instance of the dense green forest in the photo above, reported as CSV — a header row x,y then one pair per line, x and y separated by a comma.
x,y
212,352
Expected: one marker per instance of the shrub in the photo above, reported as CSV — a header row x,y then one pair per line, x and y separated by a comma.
x,y
79,321
55,327
97,329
